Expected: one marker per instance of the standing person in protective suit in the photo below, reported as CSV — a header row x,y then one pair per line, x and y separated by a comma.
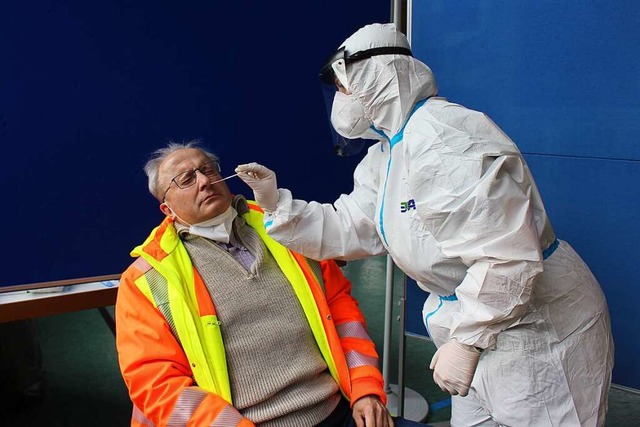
x,y
520,323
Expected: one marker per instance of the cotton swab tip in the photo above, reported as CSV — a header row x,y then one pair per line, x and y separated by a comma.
x,y
224,179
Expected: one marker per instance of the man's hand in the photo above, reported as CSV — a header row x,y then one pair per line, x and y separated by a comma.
x,y
368,411
263,182
453,367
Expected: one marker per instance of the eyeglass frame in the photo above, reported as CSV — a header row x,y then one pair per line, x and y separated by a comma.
x,y
193,173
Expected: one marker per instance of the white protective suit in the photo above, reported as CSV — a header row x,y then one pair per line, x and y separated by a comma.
x,y
449,196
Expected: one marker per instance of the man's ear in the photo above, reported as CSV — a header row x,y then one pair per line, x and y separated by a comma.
x,y
165,209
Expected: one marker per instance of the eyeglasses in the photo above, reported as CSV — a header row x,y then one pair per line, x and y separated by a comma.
x,y
188,178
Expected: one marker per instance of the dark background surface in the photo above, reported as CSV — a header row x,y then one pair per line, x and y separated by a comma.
x,y
89,89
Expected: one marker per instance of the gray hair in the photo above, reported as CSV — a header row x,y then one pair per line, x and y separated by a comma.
x,y
151,168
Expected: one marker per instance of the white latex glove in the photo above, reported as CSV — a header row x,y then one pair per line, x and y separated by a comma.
x,y
453,367
263,182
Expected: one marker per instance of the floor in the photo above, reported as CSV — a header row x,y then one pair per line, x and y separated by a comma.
x,y
84,386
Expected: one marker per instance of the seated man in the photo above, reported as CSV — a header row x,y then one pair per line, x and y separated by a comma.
x,y
219,325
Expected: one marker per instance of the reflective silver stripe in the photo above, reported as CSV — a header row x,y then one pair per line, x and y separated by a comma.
x,y
316,269
355,359
228,417
185,406
352,330
139,417
142,264
159,290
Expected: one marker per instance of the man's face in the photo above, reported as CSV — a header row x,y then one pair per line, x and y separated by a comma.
x,y
198,202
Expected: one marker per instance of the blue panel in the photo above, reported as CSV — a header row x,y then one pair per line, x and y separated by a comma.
x,y
415,298
595,206
89,89
561,78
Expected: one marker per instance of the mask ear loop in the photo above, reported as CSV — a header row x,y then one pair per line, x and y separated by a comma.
x,y
174,215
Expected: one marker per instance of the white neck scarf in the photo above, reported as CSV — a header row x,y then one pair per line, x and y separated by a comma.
x,y
217,228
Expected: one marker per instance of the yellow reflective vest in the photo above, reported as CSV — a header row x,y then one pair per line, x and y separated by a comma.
x,y
165,319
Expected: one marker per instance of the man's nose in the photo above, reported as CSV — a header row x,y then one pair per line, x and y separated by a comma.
x,y
202,178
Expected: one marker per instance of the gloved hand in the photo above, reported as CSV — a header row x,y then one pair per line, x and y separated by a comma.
x,y
453,367
263,182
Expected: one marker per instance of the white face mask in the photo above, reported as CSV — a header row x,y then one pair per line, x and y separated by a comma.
x,y
348,117
217,228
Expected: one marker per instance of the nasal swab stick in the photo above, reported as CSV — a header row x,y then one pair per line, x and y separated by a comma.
x,y
224,179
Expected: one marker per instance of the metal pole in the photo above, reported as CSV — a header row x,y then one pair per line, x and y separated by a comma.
x,y
409,19
418,408
388,313
403,299
402,347
397,13
388,300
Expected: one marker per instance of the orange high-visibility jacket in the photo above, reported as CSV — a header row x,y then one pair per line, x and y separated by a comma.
x,y
170,348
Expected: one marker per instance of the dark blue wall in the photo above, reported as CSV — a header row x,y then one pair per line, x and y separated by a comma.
x,y
562,79
89,89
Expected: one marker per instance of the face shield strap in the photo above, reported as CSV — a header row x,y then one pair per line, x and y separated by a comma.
x,y
388,50
327,72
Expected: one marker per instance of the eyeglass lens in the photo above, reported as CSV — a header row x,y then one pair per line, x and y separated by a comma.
x,y
188,178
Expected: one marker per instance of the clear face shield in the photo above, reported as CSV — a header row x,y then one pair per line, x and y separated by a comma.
x,y
334,73
342,146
